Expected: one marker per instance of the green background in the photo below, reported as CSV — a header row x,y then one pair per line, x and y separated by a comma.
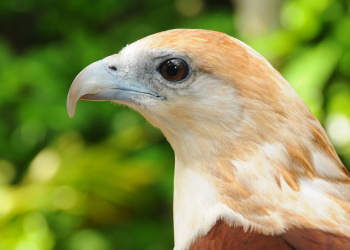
x,y
104,179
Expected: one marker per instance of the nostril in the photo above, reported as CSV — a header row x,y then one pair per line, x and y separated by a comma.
x,y
113,68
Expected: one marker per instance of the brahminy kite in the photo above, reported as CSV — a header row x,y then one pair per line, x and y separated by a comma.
x,y
254,169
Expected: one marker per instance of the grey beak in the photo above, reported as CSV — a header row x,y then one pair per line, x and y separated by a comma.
x,y
98,82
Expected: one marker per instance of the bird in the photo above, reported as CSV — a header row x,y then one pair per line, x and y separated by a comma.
x,y
254,168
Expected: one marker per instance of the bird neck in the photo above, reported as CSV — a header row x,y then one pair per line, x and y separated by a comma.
x,y
254,187
196,202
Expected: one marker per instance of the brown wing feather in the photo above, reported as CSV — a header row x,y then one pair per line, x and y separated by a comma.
x,y
315,239
224,237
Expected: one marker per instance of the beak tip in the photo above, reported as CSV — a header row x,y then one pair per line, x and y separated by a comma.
x,y
71,107
88,81
71,113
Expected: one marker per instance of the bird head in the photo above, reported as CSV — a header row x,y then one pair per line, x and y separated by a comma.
x,y
207,92
192,84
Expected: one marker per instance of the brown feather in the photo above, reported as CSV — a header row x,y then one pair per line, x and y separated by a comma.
x,y
224,237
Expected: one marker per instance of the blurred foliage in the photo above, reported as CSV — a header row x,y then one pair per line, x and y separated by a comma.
x,y
104,179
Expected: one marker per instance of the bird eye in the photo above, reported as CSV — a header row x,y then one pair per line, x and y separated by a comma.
x,y
174,69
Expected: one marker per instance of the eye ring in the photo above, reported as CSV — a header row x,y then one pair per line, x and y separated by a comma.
x,y
174,70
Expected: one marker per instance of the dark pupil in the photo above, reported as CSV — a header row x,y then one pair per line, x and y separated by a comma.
x,y
172,68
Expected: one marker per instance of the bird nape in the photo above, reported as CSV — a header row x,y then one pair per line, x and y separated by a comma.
x,y
254,169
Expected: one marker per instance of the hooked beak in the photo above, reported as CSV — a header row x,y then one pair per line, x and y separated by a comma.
x,y
99,82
